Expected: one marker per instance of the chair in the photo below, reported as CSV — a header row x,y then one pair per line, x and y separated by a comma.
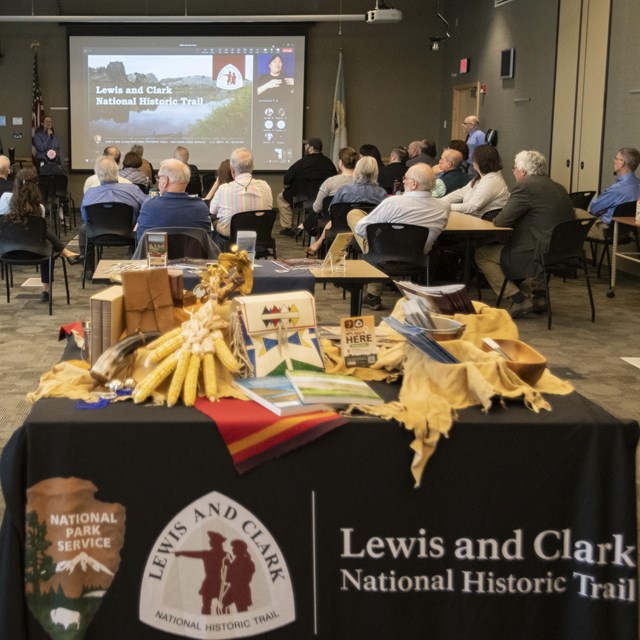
x,y
46,185
108,224
183,242
63,197
563,257
398,249
260,221
490,215
338,217
28,245
626,209
208,179
303,199
581,199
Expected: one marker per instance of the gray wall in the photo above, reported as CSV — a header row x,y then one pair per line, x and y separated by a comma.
x,y
622,117
481,33
397,89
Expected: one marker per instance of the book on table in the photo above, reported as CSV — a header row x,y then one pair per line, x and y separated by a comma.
x,y
277,394
333,389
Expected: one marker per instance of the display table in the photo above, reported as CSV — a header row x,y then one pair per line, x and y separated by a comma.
x,y
524,527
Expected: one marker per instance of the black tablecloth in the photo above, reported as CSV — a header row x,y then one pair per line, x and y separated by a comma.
x,y
511,496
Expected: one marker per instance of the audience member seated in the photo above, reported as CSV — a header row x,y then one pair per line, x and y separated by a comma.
x,y
364,188
347,158
451,176
394,172
132,171
422,151
51,166
626,188
173,207
195,181
146,166
25,201
313,167
6,185
243,193
374,152
223,176
487,190
94,181
536,205
415,206
108,190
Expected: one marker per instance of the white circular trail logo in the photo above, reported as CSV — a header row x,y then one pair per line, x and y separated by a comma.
x,y
216,572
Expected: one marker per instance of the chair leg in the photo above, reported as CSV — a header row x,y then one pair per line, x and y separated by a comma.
x,y
66,279
504,286
588,281
547,277
51,285
7,279
605,252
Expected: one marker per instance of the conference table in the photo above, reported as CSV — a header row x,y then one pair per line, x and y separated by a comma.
x,y
463,226
270,276
632,256
524,527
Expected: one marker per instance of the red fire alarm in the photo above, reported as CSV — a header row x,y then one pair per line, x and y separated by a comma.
x,y
464,65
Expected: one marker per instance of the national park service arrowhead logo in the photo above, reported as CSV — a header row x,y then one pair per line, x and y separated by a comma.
x,y
72,553
216,572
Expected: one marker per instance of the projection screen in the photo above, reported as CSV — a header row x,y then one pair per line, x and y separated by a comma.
x,y
210,94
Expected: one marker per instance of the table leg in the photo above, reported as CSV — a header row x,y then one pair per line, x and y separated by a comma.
x,y
466,267
356,299
614,251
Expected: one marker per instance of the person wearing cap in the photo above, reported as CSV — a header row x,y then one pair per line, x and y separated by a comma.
x,y
312,169
213,559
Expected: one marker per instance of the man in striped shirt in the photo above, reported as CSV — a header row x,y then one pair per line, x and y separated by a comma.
x,y
244,193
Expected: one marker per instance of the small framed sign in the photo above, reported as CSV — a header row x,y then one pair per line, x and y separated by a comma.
x,y
157,248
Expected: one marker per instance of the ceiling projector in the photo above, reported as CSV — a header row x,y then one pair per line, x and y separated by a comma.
x,y
384,15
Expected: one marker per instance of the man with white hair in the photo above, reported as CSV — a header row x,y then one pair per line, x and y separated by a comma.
x,y
5,168
173,207
535,206
94,181
450,173
109,190
194,187
244,193
415,206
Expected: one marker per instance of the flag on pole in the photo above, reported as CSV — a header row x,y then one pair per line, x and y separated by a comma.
x,y
37,106
339,120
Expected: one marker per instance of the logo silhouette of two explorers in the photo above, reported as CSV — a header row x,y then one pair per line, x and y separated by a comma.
x,y
227,576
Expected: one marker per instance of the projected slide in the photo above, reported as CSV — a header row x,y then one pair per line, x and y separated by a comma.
x,y
208,94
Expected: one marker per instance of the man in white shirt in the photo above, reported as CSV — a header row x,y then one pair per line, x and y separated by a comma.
x,y
94,181
244,193
415,206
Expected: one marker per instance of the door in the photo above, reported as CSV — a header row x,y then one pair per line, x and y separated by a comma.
x,y
466,102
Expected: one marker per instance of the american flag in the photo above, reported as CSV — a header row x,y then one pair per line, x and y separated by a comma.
x,y
37,106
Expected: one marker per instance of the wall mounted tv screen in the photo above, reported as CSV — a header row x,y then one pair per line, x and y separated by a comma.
x,y
210,94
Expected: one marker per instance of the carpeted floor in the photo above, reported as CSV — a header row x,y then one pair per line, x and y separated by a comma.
x,y
29,336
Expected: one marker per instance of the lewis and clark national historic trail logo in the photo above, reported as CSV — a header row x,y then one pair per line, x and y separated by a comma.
x,y
72,553
216,572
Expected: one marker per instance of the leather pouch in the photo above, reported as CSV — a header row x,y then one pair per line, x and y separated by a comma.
x,y
148,303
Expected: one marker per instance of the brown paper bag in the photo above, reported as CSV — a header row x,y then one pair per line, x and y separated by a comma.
x,y
148,303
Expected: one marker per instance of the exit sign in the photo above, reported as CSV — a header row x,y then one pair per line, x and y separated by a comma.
x,y
464,65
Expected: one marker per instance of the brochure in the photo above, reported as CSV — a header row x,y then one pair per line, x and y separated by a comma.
x,y
332,388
